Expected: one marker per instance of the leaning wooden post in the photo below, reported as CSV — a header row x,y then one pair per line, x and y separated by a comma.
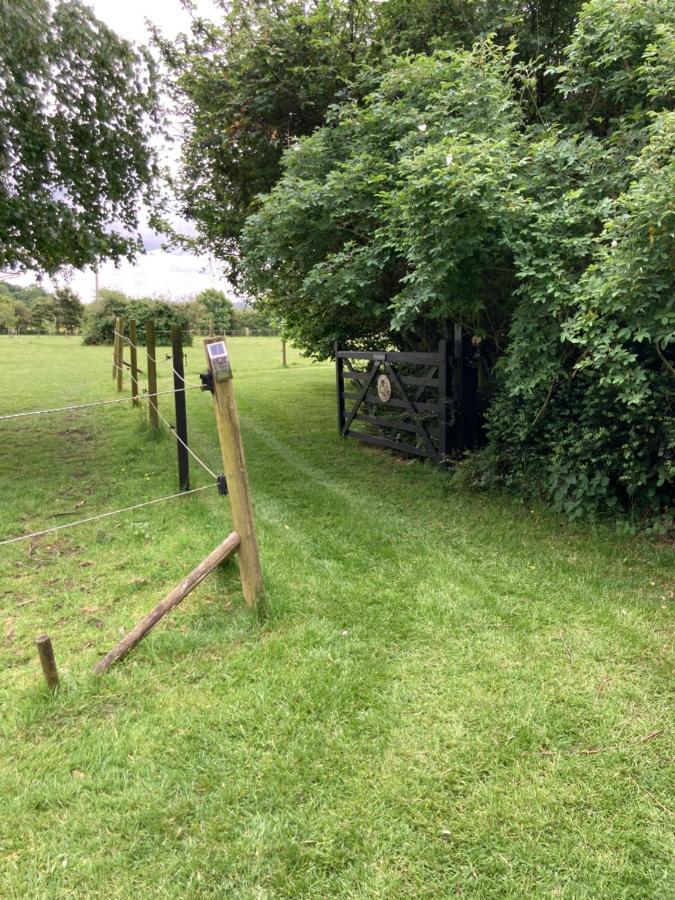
x,y
133,355
46,652
215,558
181,408
234,466
152,372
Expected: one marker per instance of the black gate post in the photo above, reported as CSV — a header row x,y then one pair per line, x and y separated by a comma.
x,y
340,386
464,391
444,400
181,410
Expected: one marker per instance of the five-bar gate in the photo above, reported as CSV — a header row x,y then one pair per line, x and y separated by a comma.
x,y
419,404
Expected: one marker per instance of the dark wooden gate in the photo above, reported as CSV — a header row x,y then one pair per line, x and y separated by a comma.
x,y
419,404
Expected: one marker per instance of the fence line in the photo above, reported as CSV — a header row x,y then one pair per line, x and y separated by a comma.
x,y
42,412
136,347
106,515
181,441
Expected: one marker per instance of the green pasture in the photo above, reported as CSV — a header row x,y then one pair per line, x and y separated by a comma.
x,y
445,694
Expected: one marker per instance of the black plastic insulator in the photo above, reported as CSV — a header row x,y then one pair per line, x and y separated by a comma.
x,y
222,485
206,379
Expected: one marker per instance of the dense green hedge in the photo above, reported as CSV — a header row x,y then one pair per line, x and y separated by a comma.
x,y
448,194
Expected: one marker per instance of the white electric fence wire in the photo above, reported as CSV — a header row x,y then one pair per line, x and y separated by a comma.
x,y
181,441
41,412
116,512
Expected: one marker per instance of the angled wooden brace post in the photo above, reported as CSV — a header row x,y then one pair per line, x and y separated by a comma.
x,y
234,467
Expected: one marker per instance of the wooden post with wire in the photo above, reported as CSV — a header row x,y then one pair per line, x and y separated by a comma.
x,y
133,355
181,409
115,350
152,373
48,661
119,334
234,466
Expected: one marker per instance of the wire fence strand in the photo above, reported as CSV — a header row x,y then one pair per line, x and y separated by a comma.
x,y
55,409
106,515
181,441
150,356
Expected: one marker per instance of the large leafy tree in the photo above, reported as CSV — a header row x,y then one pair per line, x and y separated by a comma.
x,y
247,87
77,112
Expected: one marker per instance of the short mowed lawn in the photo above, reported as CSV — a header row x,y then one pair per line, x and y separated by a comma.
x,y
445,694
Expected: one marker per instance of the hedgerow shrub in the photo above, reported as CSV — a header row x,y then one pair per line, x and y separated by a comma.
x,y
448,196
99,321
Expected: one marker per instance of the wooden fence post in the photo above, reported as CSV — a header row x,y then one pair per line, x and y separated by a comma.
x,y
119,328
234,466
283,353
152,372
181,409
444,399
133,358
116,342
46,652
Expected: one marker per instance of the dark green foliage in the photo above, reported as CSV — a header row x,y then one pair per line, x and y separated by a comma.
x,y
99,325
26,310
251,321
219,309
438,199
249,86
76,114
393,220
68,310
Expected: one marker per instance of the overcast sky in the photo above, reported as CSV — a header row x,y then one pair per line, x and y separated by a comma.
x,y
173,274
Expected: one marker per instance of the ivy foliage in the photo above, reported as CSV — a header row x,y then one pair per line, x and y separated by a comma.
x,y
447,194
77,110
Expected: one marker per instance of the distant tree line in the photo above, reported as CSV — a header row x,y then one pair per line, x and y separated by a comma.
x,y
32,310
210,311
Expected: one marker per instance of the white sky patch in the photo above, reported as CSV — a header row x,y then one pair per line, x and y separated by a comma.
x,y
174,274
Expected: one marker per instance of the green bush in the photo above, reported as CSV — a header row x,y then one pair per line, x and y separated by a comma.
x,y
99,322
447,196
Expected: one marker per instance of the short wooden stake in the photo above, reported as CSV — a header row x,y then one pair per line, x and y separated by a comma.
x,y
181,408
133,354
152,372
239,492
119,328
283,353
46,652
180,592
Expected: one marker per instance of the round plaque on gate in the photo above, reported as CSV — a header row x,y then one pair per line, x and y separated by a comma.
x,y
384,388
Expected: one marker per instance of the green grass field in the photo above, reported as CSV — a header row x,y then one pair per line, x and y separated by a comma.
x,y
446,694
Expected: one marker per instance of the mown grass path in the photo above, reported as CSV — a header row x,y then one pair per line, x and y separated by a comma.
x,y
447,694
